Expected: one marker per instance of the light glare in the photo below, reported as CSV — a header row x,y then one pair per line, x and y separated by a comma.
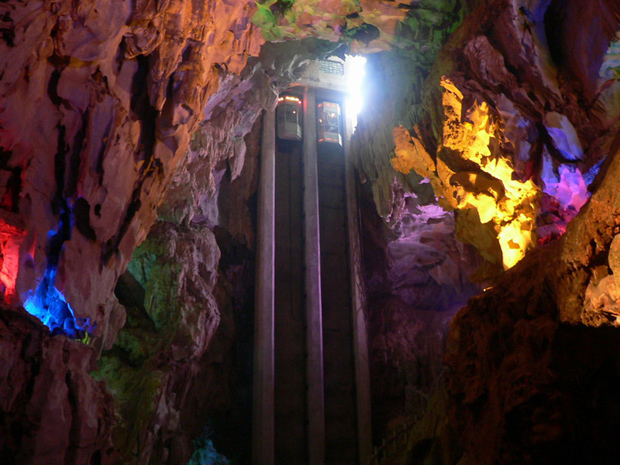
x,y
356,70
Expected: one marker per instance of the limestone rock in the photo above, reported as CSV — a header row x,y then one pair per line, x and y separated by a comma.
x,y
564,136
100,102
52,410
529,355
172,317
105,96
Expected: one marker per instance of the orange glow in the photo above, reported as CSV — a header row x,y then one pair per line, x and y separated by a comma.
x,y
499,198
11,239
289,98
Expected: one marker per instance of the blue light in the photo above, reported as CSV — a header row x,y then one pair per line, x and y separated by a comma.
x,y
49,305
593,172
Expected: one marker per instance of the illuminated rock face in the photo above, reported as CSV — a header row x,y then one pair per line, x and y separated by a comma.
x,y
99,102
511,150
489,196
533,358
506,160
518,391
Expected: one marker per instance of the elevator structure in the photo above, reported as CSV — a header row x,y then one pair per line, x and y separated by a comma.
x,y
311,401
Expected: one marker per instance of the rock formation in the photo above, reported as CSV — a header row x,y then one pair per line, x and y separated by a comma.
x,y
53,411
128,165
509,140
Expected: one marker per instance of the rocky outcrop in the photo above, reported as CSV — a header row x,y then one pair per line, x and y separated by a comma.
x,y
504,140
165,335
534,359
53,411
493,132
174,354
99,101
528,382
416,278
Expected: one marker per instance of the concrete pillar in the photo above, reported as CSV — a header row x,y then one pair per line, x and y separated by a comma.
x,y
264,366
314,318
360,334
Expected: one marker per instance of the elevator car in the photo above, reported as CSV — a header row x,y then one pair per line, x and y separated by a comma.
x,y
288,117
329,126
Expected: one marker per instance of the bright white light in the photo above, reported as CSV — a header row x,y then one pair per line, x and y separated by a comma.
x,y
355,72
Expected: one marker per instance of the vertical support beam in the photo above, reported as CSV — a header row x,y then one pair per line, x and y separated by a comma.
x,y
360,335
314,316
264,365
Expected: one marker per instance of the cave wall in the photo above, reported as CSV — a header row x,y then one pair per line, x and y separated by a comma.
x,y
538,406
534,359
53,411
100,103
509,139
126,131
416,278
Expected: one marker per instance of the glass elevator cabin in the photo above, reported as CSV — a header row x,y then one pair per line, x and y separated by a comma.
x,y
311,386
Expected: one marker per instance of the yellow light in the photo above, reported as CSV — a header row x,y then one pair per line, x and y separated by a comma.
x,y
289,98
499,197
507,205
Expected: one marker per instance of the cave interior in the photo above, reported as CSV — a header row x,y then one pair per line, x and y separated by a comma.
x,y
214,250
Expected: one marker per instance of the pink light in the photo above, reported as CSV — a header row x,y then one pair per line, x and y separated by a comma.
x,y
11,240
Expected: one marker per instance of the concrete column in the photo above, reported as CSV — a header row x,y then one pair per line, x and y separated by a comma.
x,y
360,335
264,366
314,317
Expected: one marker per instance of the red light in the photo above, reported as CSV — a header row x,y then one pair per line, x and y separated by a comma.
x,y
11,240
